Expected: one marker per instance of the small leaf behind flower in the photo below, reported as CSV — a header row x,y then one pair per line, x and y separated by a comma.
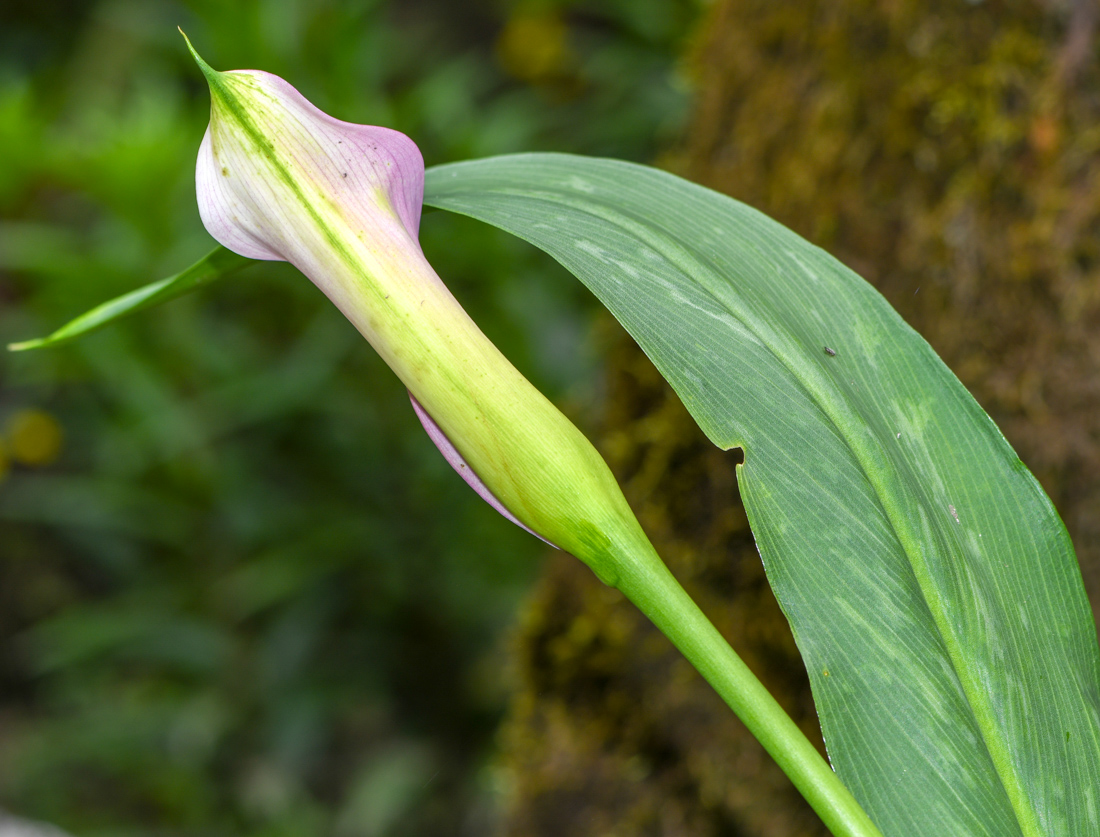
x,y
215,265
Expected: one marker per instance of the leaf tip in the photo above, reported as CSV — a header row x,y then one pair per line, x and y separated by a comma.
x,y
27,344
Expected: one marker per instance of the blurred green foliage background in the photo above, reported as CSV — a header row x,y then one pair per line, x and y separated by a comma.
x,y
240,592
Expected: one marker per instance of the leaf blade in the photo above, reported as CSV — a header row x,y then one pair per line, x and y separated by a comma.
x,y
921,647
216,264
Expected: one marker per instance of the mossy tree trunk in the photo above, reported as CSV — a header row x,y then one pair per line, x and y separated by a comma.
x,y
950,153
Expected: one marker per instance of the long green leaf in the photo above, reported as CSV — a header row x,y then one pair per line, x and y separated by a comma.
x,y
931,586
216,264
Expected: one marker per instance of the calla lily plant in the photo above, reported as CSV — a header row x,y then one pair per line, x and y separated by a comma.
x,y
278,179
929,582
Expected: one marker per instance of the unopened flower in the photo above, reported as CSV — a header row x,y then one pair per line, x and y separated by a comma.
x,y
278,179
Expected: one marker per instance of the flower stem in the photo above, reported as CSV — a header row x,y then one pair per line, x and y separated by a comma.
x,y
653,589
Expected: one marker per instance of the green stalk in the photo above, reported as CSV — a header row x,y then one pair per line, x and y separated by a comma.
x,y
655,591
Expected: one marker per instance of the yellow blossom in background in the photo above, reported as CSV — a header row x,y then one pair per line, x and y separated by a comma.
x,y
533,47
34,437
5,461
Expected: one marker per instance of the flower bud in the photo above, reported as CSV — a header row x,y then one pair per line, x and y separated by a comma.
x,y
278,179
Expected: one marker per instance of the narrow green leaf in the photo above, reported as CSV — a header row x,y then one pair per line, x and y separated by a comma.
x,y
216,264
931,586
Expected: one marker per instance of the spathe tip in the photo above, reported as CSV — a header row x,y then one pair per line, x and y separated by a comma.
x,y
207,70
